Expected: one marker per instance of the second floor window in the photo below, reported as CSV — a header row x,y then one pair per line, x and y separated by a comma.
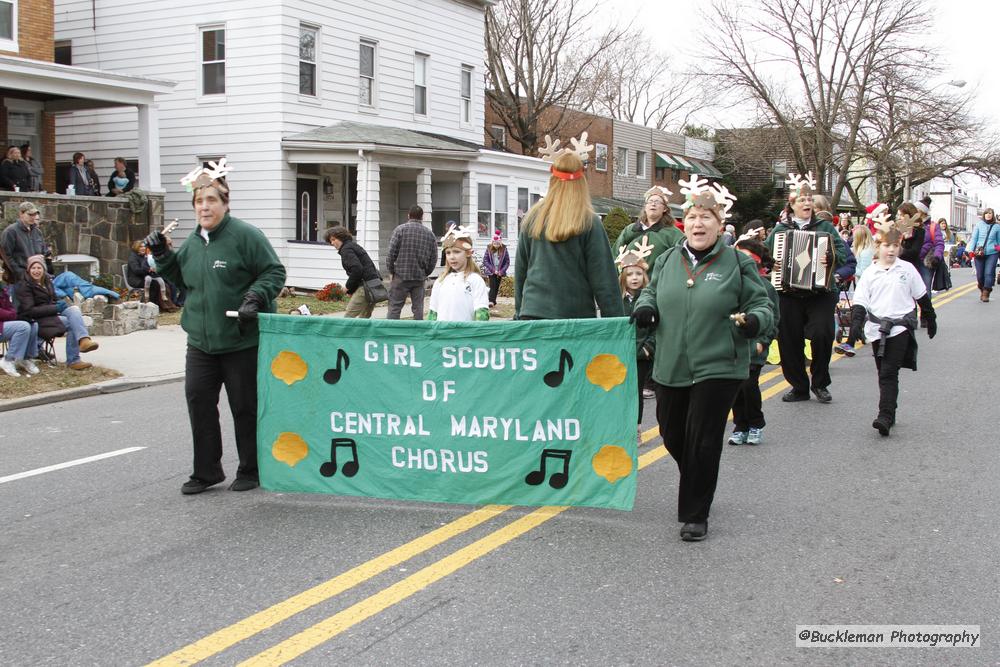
x,y
465,90
601,157
366,79
420,84
640,164
498,137
621,162
307,60
8,21
213,61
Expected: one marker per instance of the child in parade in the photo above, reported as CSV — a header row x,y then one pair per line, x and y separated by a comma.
x,y
884,312
632,279
460,294
748,415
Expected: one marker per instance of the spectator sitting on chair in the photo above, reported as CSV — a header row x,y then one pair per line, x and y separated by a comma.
x,y
36,302
122,179
20,337
142,276
78,176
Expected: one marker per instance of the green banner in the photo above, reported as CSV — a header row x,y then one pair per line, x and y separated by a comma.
x,y
522,413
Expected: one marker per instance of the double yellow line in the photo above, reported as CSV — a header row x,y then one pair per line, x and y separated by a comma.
x,y
321,632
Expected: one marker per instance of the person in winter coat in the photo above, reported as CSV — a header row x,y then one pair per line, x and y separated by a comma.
x,y
79,177
142,276
21,239
37,302
807,315
34,167
122,179
21,338
707,303
496,262
359,268
15,174
655,224
224,264
633,279
984,246
564,262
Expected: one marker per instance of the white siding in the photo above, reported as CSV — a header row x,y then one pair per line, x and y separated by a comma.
x,y
633,138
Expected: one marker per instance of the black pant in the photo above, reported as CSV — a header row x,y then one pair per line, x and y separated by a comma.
x,y
494,288
205,374
642,369
747,412
806,317
693,424
888,373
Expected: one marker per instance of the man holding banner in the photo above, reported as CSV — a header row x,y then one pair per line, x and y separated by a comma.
x,y
224,264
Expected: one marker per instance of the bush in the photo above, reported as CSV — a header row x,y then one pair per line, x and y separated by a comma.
x,y
332,292
615,221
506,287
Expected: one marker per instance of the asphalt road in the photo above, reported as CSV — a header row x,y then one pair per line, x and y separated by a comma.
x,y
106,563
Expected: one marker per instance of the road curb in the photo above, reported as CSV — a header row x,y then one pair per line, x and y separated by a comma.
x,y
107,387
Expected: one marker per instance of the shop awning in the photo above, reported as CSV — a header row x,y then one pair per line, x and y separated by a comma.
x,y
668,161
706,168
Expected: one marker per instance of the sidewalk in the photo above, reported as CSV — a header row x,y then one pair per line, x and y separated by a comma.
x,y
144,358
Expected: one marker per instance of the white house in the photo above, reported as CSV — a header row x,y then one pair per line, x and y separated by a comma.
x,y
342,112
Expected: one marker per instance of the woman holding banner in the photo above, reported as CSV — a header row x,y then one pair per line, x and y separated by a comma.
x,y
707,287
223,265
564,263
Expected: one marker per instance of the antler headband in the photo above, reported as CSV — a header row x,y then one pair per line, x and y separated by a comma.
x,y
550,152
457,236
699,194
637,255
214,174
801,186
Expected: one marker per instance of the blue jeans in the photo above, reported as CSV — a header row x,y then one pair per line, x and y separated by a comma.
x,y
986,270
928,276
72,318
20,337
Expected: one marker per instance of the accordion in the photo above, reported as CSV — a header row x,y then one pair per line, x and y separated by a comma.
x,y
797,268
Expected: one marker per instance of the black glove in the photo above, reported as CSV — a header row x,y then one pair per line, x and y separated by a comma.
x,y
858,317
156,242
643,316
252,304
931,326
751,326
927,313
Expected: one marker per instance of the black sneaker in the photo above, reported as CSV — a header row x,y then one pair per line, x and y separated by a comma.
x,y
193,486
882,425
822,395
792,396
243,484
694,531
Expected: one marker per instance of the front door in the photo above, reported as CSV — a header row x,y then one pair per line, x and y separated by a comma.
x,y
306,191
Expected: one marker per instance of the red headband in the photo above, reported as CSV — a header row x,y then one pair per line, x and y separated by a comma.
x,y
566,175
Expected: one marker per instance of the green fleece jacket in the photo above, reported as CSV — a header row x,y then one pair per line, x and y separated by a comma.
x,y
661,237
695,339
215,276
645,337
554,281
815,225
766,335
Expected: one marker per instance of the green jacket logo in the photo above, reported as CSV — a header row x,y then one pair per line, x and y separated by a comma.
x,y
219,264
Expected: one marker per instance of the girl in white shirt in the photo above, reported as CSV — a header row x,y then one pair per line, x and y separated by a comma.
x,y
460,293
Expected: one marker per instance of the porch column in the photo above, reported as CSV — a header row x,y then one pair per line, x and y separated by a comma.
x,y
424,195
149,148
369,179
470,199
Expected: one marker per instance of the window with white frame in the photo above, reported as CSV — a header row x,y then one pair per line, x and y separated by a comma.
x,y
601,157
420,83
8,25
213,60
779,172
621,162
465,90
366,74
500,210
308,38
640,164
498,137
492,211
522,205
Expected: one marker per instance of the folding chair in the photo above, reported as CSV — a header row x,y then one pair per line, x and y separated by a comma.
x,y
128,295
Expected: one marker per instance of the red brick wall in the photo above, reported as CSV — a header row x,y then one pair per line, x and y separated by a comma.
x,y
35,30
48,153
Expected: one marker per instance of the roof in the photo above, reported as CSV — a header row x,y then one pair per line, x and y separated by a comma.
x,y
689,164
353,134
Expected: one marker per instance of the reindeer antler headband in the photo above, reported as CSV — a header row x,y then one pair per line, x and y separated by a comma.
x,y
658,191
637,255
801,186
698,193
550,152
214,174
457,236
886,226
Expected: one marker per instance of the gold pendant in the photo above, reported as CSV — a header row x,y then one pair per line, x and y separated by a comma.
x,y
690,282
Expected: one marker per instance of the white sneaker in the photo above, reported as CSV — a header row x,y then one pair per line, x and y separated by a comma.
x,y
27,365
9,368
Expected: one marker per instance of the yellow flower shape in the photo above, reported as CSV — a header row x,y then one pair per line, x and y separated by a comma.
x,y
289,367
289,448
606,371
612,463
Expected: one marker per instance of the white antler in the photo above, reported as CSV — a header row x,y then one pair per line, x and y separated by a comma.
x,y
725,198
581,147
550,151
644,248
883,223
218,169
694,186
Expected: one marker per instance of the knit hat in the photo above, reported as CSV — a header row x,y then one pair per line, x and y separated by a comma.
x,y
33,260
497,236
28,207
922,207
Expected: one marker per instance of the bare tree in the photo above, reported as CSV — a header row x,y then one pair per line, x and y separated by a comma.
x,y
537,52
809,66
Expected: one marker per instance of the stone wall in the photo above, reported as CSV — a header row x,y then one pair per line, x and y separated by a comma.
x,y
116,319
102,227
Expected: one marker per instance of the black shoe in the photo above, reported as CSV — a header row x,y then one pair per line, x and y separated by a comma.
x,y
193,486
822,395
792,396
882,425
694,531
243,484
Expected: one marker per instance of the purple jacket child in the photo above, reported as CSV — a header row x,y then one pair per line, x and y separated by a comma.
x,y
933,242
498,266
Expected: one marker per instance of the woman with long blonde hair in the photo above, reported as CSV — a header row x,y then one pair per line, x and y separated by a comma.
x,y
864,248
564,262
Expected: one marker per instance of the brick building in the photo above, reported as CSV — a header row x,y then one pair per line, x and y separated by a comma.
x,y
758,156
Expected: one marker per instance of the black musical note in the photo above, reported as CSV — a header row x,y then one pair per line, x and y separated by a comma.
x,y
350,469
558,479
332,375
555,378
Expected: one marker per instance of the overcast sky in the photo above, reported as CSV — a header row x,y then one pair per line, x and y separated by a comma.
x,y
967,32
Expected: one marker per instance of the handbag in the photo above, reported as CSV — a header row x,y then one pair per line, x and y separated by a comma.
x,y
375,290
981,249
